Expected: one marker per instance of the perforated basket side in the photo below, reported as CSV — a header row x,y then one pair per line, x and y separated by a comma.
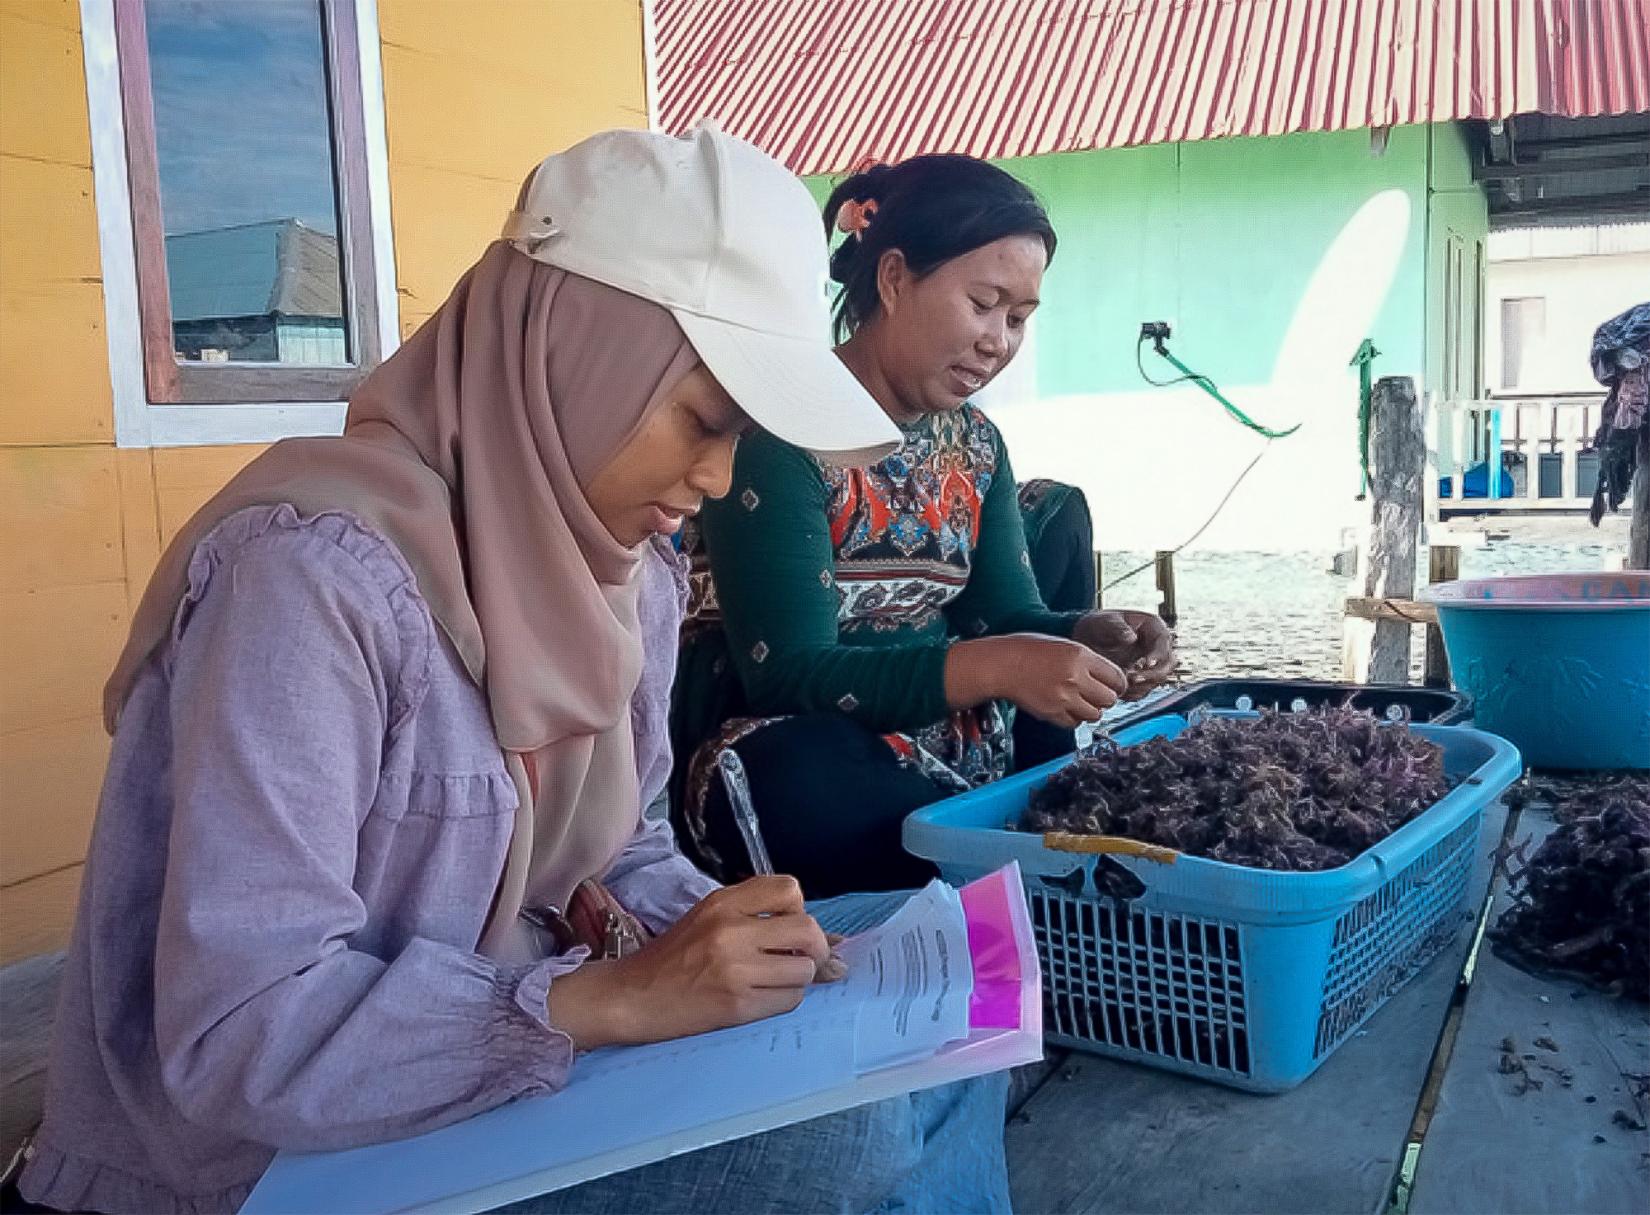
x,y
1384,939
1143,983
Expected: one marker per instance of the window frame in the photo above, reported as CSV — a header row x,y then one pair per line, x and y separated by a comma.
x,y
171,381
137,422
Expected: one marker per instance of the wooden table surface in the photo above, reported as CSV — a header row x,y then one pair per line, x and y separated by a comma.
x,y
1411,1113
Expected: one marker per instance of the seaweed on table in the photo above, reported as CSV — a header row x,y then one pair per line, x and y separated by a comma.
x,y
1287,791
1581,903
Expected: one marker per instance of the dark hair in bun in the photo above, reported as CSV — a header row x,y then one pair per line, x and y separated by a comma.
x,y
930,208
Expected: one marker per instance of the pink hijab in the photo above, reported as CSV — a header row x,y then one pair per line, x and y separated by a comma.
x,y
469,448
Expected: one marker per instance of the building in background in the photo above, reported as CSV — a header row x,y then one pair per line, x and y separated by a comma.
x,y
269,292
1279,180
336,164
1549,287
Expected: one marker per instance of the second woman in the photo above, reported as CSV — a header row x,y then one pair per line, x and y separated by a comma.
x,y
864,637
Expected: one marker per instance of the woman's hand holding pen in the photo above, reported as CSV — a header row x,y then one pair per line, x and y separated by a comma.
x,y
743,953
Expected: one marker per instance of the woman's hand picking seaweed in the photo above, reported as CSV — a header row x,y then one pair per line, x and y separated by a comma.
x,y
1139,643
1057,681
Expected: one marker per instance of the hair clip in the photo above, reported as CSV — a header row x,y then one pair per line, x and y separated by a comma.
x,y
853,216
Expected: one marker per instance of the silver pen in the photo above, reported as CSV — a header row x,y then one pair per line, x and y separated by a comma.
x,y
744,811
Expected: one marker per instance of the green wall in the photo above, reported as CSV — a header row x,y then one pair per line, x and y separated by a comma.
x,y
1272,259
1223,237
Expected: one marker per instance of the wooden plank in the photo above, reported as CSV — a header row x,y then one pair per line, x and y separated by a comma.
x,y
62,511
1168,608
1443,565
57,646
28,1001
35,916
54,363
50,233
43,92
139,519
186,477
1491,1149
52,775
1404,611
430,254
212,384
492,35
1103,1136
160,365
435,100
64,14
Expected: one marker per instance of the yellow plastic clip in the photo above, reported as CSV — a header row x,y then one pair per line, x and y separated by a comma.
x,y
1068,841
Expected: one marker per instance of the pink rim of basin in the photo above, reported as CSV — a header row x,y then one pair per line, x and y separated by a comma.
x,y
1595,592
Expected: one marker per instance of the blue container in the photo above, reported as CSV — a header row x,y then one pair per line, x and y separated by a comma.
x,y
1557,663
1247,977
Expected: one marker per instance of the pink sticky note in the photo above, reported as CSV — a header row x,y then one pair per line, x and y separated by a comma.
x,y
1000,962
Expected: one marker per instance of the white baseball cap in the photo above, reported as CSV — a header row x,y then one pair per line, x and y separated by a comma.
x,y
728,240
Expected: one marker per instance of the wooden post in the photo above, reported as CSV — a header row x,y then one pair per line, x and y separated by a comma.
x,y
1638,532
1443,565
1378,651
1165,585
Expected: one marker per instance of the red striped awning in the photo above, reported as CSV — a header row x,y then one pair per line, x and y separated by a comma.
x,y
825,85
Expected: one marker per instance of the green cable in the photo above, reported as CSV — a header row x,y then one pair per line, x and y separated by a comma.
x,y
1366,355
1204,383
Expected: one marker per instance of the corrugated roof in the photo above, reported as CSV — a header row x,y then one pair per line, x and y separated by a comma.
x,y
278,266
825,85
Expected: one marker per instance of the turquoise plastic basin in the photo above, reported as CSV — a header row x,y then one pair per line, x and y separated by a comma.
x,y
1559,664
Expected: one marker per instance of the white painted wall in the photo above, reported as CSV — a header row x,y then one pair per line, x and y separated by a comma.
x,y
1585,275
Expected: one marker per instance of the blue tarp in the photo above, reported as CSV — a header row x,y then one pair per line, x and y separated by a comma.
x,y
1475,483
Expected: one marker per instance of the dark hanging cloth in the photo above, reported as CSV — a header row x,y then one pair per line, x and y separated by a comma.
x,y
1621,362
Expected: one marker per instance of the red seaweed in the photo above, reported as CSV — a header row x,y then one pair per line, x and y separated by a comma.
x,y
1285,791
1581,904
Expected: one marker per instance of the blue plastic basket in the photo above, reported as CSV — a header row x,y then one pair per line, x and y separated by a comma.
x,y
1247,977
1558,663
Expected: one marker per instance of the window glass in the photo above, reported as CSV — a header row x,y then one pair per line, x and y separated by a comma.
x,y
248,192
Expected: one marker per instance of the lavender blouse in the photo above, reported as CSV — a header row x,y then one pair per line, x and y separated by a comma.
x,y
303,822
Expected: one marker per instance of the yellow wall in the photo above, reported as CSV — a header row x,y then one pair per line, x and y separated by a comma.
x,y
62,552
475,94
474,101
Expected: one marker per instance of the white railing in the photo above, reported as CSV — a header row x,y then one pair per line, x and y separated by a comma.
x,y
1539,444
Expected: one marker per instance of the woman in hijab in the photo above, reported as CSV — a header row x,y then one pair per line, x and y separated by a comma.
x,y
370,855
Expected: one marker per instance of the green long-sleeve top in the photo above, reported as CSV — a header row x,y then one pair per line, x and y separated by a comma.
x,y
841,590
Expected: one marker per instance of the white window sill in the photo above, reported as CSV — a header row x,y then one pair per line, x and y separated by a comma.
x,y
212,425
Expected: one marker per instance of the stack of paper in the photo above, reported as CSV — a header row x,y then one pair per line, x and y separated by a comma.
x,y
944,989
